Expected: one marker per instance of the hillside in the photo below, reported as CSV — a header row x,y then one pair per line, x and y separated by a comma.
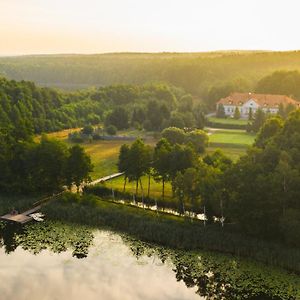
x,y
195,72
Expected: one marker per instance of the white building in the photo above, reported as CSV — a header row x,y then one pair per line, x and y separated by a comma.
x,y
248,101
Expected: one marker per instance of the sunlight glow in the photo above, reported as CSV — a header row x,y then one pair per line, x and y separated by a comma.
x,y
93,26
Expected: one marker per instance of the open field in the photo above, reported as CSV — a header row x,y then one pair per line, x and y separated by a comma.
x,y
228,121
104,155
155,187
232,137
233,143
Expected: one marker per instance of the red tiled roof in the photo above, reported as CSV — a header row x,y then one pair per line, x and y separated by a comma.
x,y
268,100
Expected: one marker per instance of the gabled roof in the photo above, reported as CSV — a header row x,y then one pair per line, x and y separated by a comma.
x,y
264,100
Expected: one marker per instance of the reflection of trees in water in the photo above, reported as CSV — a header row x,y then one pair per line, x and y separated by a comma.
x,y
8,235
54,236
214,276
218,277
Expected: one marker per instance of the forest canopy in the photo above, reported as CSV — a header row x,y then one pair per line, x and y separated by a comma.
x,y
204,75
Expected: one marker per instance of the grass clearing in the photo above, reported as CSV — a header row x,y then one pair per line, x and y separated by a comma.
x,y
155,187
227,121
232,137
104,155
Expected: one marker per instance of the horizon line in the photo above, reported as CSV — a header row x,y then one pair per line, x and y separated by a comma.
x,y
145,52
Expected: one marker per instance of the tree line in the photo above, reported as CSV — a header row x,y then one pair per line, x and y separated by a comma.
x,y
29,109
209,76
42,167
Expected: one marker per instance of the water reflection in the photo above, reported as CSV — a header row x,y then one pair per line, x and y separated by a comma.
x,y
109,272
118,267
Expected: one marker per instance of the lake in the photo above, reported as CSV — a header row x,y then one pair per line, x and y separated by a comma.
x,y
59,261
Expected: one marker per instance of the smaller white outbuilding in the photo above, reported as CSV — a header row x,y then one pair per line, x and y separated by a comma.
x,y
247,102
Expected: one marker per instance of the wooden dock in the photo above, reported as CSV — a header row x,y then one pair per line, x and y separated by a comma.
x,y
21,218
106,178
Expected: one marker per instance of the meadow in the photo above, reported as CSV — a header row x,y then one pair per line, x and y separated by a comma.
x,y
104,155
230,121
226,137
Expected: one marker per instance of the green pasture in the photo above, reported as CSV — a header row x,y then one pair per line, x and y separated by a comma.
x,y
104,155
228,121
231,136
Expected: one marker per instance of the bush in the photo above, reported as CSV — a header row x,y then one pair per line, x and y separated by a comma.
x,y
88,129
111,130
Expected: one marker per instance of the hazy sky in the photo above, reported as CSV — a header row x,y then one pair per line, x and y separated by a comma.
x,y
94,26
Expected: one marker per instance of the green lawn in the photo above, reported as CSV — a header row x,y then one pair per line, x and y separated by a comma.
x,y
228,121
232,137
155,187
232,142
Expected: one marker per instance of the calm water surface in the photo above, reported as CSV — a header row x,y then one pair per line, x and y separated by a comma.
x,y
54,260
110,271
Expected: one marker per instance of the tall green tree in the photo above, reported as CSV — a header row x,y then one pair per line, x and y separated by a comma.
x,y
237,114
162,163
78,167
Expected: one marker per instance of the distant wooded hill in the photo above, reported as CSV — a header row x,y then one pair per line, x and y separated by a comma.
x,y
197,73
208,76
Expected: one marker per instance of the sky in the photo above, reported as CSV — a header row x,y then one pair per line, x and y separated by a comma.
x,y
99,26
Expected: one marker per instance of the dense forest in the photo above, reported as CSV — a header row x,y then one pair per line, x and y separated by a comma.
x,y
204,75
31,109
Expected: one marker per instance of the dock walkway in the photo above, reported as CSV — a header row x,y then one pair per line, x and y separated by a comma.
x,y
21,218
106,178
25,217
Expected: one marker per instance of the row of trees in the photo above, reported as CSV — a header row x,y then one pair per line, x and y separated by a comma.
x,y
175,152
156,114
43,167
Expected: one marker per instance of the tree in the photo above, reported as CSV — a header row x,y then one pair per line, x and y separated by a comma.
x,y
237,114
280,83
139,162
118,118
138,115
281,111
88,129
181,157
49,159
198,139
250,115
161,163
259,120
124,162
78,167
174,135
199,115
220,111
154,114
185,104
111,130
270,128
177,120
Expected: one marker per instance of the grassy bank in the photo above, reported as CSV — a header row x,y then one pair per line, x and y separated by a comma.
x,y
169,230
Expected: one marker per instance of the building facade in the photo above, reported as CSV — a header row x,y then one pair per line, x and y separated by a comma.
x,y
247,102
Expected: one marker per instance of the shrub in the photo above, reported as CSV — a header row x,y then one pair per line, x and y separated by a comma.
x,y
111,130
